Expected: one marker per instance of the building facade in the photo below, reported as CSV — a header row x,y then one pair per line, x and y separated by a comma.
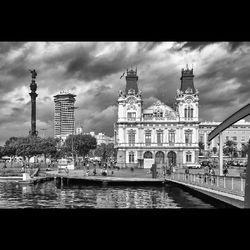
x,y
238,132
158,134
64,118
102,138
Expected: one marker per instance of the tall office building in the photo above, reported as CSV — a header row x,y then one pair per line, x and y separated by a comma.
x,y
64,119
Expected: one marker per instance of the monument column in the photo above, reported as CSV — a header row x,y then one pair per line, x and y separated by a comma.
x,y
33,95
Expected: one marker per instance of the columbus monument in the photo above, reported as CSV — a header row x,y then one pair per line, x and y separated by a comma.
x,y
33,95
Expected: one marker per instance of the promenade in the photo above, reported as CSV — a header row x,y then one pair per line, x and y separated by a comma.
x,y
228,189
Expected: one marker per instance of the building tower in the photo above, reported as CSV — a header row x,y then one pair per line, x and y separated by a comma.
x,y
187,105
33,95
129,114
64,119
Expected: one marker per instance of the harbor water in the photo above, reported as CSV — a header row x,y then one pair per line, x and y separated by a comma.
x,y
48,195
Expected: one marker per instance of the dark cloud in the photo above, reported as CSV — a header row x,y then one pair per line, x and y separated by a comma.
x,y
201,45
16,109
223,84
88,68
19,71
234,45
147,46
196,45
21,99
5,47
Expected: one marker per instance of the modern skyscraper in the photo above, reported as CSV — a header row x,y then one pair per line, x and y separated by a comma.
x,y
64,119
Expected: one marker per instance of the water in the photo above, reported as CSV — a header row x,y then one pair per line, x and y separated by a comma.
x,y
47,195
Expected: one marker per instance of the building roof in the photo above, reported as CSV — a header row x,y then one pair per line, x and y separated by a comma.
x,y
131,82
187,80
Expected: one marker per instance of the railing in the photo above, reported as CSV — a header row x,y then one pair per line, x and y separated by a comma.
x,y
228,184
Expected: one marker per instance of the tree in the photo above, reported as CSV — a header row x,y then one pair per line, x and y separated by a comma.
x,y
230,148
48,147
80,144
28,146
10,147
106,151
244,149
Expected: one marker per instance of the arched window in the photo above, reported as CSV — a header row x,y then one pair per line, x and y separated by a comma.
x,y
148,155
192,113
188,157
185,110
131,157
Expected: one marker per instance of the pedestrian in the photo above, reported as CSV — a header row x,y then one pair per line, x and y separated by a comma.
x,y
186,172
94,171
213,175
225,171
4,164
66,170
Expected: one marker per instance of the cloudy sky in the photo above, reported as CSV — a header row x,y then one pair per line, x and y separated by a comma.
x,y
92,71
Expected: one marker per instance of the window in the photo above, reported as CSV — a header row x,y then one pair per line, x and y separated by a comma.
x,y
188,157
171,137
185,110
201,138
131,157
131,116
189,112
159,114
234,138
159,137
227,138
148,138
131,138
188,138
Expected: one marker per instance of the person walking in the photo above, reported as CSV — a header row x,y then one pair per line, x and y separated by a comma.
x,y
225,171
186,172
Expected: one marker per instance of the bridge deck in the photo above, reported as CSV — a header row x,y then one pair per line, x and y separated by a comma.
x,y
225,188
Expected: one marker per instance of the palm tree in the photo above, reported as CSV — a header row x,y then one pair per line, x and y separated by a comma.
x,y
230,148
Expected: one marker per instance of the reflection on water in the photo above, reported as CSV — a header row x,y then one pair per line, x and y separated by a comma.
x,y
47,195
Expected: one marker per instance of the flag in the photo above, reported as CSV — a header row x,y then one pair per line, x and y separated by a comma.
x,y
122,75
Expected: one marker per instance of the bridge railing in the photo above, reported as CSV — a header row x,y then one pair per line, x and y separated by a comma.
x,y
228,184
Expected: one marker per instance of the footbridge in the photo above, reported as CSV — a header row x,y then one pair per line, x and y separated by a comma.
x,y
227,189
240,114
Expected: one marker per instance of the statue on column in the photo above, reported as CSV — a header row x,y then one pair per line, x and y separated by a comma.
x,y
33,73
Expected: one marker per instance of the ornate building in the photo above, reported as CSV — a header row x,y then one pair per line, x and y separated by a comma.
x,y
158,134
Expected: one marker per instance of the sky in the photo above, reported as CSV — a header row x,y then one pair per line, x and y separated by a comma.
x,y
92,71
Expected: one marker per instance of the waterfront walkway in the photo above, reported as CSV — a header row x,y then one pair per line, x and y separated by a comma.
x,y
228,189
